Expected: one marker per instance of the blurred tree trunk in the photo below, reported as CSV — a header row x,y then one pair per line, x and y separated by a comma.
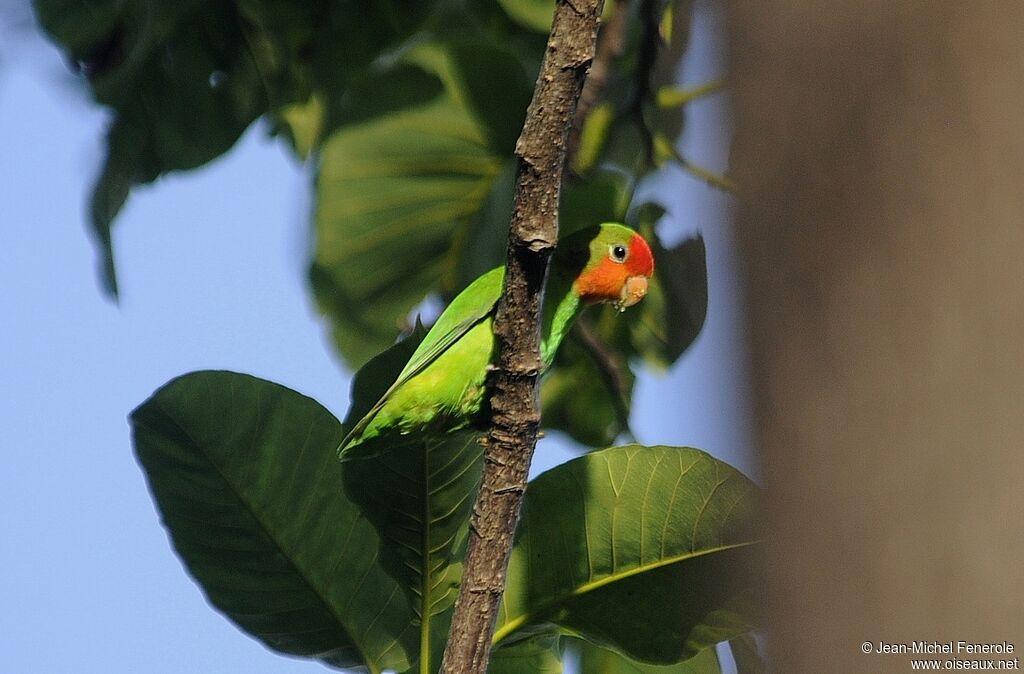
x,y
880,153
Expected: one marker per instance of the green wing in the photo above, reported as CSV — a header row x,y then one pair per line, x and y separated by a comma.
x,y
470,307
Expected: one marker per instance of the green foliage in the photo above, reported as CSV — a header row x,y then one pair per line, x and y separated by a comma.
x,y
593,415
658,536
185,79
244,474
408,114
401,179
180,79
356,563
419,497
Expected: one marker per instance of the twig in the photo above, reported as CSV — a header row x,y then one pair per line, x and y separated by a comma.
x,y
611,42
515,412
718,180
610,366
707,175
647,59
674,97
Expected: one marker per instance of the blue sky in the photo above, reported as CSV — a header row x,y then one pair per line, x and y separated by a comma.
x,y
212,268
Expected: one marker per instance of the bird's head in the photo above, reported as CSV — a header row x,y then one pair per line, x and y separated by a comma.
x,y
611,263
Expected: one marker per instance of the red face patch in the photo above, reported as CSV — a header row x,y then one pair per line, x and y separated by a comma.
x,y
606,280
641,259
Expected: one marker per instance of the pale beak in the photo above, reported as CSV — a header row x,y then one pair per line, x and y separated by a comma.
x,y
632,292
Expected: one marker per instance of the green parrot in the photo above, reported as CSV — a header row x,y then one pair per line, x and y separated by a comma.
x,y
443,385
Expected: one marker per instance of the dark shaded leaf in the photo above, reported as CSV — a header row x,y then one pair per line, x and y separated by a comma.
x,y
481,247
597,660
539,655
672,314
181,82
185,79
601,197
588,393
491,20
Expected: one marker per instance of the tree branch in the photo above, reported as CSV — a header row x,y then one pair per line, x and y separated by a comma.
x,y
515,412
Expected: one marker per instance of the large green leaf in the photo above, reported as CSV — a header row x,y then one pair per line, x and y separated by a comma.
x,y
597,660
401,181
648,550
247,481
358,563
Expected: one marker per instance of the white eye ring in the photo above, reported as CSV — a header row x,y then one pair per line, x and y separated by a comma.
x,y
618,253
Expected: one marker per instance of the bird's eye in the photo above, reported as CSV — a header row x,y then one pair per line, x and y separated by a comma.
x,y
619,252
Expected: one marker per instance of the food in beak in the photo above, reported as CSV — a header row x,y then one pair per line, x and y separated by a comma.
x,y
632,292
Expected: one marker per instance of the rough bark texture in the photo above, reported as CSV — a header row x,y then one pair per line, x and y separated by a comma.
x,y
880,150
515,410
